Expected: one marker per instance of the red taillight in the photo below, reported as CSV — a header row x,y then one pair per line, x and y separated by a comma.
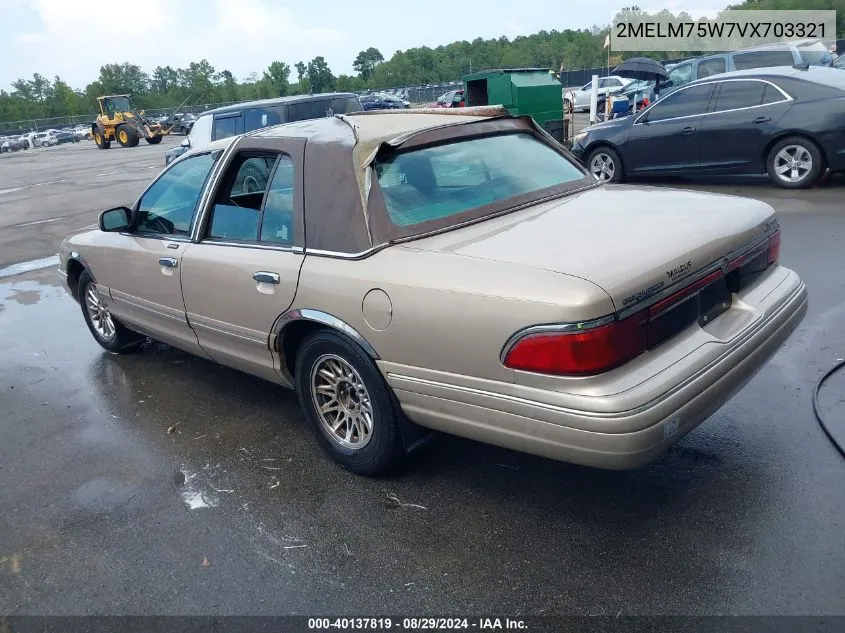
x,y
774,247
580,353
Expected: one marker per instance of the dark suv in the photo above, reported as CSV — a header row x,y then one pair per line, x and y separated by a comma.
x,y
246,117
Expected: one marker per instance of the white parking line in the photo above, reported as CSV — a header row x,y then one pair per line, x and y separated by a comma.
x,y
49,182
2,191
108,173
25,267
34,222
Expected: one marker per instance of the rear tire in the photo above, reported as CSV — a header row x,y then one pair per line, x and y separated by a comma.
x,y
110,333
345,398
605,165
154,140
794,163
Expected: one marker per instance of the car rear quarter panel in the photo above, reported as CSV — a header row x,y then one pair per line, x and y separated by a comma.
x,y
445,312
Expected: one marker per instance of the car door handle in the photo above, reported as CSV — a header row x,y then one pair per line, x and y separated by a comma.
x,y
762,119
169,262
688,130
264,277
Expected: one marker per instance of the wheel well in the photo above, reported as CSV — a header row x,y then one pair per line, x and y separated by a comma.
x,y
74,271
292,338
780,137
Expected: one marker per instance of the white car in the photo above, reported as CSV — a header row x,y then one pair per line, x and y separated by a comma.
x,y
579,100
43,139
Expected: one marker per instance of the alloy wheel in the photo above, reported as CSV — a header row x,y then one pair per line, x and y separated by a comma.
x,y
793,163
602,167
99,313
341,401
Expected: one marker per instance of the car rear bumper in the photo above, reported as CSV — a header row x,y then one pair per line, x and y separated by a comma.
x,y
619,440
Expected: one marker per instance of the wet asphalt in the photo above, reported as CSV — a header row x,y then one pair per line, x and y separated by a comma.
x,y
158,483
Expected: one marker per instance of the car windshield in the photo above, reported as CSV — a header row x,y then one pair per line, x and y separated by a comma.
x,y
445,180
815,54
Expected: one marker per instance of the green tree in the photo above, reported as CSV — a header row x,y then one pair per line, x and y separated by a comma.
x,y
320,76
300,70
63,99
164,79
123,78
277,77
366,62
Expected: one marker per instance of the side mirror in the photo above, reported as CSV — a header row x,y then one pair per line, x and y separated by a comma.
x,y
185,143
116,220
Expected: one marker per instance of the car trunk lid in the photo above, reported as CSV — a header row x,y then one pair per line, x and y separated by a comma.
x,y
636,243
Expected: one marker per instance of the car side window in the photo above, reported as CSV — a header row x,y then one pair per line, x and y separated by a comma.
x,y
226,126
686,102
739,94
168,206
278,213
680,75
710,67
236,214
772,95
763,59
256,118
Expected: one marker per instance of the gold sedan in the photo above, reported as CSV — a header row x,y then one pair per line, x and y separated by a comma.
x,y
454,270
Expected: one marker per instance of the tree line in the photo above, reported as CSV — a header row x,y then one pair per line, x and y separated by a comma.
x,y
201,83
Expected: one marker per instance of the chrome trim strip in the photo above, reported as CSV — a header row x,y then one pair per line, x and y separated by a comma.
x,y
256,245
748,247
204,323
786,98
318,316
147,306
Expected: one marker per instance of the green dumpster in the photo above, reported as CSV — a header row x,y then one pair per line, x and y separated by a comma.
x,y
532,91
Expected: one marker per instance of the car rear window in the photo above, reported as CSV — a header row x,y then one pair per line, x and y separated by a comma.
x,y
763,59
437,182
815,54
319,108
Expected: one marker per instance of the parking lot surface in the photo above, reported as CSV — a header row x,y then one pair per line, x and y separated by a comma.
x,y
158,483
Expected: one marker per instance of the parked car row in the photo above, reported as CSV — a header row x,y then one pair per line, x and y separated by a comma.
x,y
46,138
382,101
786,122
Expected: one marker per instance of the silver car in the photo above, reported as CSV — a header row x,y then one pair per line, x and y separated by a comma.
x,y
579,100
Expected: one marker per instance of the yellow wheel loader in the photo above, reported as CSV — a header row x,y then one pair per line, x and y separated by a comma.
x,y
120,121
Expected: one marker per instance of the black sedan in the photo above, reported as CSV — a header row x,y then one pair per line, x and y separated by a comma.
x,y
787,122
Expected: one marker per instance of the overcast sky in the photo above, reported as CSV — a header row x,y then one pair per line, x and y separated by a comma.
x,y
67,37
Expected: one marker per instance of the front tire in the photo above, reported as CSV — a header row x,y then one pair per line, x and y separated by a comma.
x,y
126,136
346,400
605,165
112,335
794,163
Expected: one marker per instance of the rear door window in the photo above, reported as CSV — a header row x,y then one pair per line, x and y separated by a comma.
x,y
226,126
734,95
256,118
